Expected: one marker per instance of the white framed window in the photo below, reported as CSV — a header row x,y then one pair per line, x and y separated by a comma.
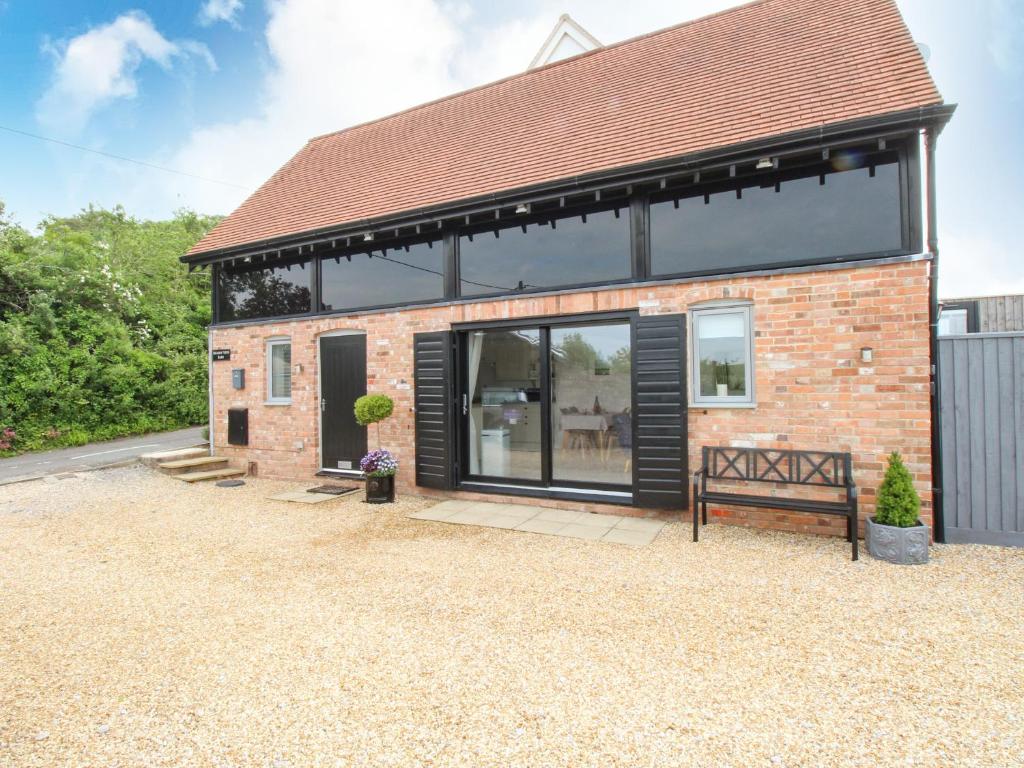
x,y
722,368
279,371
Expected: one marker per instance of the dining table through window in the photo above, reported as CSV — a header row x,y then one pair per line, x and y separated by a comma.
x,y
549,405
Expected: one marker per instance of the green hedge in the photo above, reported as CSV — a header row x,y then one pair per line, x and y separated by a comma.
x,y
102,329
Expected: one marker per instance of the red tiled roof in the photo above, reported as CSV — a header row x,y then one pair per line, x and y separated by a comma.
x,y
762,69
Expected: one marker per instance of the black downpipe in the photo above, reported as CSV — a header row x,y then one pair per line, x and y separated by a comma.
x,y
931,135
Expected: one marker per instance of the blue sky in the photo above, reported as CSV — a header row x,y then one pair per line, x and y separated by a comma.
x,y
228,89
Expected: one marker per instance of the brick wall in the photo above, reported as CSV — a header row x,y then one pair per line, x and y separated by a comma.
x,y
812,390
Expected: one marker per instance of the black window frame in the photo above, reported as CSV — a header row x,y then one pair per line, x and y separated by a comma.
x,y
314,289
634,202
624,205
546,485
439,240
803,170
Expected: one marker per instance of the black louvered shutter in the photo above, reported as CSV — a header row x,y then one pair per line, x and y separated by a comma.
x,y
432,364
660,473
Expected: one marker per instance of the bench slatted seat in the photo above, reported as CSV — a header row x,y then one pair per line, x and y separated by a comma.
x,y
809,468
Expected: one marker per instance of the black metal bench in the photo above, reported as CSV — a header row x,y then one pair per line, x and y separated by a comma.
x,y
819,468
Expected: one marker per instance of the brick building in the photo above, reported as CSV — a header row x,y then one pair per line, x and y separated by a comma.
x,y
572,279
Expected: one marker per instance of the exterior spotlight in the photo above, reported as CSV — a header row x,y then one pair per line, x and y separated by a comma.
x,y
523,208
368,237
765,163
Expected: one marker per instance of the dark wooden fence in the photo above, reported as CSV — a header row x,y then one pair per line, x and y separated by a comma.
x,y
982,418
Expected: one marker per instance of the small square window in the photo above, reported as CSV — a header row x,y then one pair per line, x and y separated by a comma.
x,y
952,322
279,371
723,359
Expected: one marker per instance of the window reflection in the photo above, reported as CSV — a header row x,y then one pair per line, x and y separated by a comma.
x,y
572,252
722,352
801,219
256,292
503,379
592,435
393,276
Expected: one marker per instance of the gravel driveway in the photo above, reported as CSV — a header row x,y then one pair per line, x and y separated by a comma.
x,y
147,622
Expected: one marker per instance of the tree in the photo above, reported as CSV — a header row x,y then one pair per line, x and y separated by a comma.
x,y
102,329
898,503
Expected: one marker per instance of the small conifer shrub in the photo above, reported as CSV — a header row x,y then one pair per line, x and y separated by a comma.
x,y
898,503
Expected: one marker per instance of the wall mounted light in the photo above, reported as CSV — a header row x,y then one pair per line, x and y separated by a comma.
x,y
867,354
765,163
368,237
523,208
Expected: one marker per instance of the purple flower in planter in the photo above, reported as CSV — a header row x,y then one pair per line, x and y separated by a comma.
x,y
379,463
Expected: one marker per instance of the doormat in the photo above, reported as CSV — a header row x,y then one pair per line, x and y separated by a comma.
x,y
333,489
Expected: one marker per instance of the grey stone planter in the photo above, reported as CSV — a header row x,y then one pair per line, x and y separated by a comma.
x,y
905,546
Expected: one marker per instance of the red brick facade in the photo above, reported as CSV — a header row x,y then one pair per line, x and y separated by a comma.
x,y
812,390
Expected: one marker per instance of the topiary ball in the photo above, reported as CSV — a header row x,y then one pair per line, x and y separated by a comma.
x,y
370,409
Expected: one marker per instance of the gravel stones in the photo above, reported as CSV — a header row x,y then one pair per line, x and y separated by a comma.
x,y
235,630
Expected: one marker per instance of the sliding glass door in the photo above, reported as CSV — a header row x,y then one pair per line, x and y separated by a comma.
x,y
548,405
591,395
503,406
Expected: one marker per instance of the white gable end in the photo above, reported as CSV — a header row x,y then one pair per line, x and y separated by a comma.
x,y
567,46
567,39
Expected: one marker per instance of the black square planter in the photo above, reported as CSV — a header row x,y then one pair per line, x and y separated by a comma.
x,y
380,490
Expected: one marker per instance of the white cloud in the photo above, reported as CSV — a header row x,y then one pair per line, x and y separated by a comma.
x,y
334,64
213,11
101,65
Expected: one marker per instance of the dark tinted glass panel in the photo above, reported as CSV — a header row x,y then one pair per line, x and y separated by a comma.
x,y
852,213
573,252
396,277
252,293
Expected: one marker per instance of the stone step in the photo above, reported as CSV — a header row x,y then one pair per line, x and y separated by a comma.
x,y
153,459
197,462
212,474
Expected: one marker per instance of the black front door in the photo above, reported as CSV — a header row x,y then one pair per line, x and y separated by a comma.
x,y
342,380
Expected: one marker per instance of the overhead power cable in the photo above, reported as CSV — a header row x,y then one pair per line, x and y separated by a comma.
x,y
119,157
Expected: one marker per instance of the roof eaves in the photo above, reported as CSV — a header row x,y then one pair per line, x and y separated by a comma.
x,y
936,115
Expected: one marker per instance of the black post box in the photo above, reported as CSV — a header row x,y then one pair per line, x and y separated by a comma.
x,y
238,426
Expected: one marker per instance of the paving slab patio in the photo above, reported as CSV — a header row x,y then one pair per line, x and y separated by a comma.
x,y
303,497
612,529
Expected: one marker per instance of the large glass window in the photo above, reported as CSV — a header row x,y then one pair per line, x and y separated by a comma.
x,y
829,214
591,394
504,408
395,276
255,292
723,358
586,248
